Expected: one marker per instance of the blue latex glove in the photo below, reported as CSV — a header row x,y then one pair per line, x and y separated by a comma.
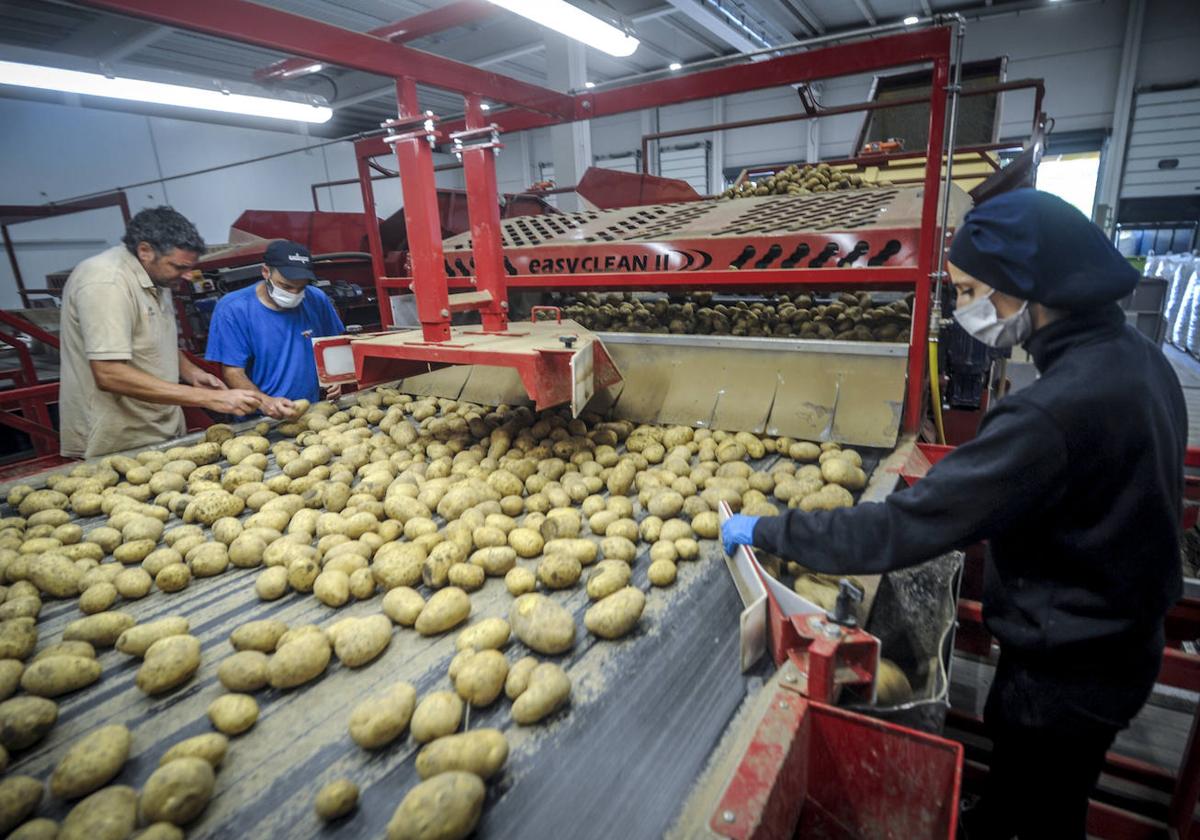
x,y
738,530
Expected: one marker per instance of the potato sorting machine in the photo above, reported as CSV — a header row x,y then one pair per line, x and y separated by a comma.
x,y
685,728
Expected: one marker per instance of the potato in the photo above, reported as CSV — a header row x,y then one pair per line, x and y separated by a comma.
x,y
137,639
663,550
843,472
133,583
541,624
142,528
10,677
177,792
159,559
707,525
101,630
436,569
261,635
336,800
520,580
243,671
25,720
105,537
41,828
495,560
518,677
583,550
168,663
302,573
403,605
91,762
332,588
379,720
58,675
246,551
97,598
299,661
687,549
618,548
661,573
548,689
447,609
615,615
438,714
362,639
559,571
665,504
40,500
19,797
446,807
233,714
210,747
829,497
398,564
56,576
608,577
489,634
480,679
362,584
18,637
481,751
174,577
526,542
272,584
108,813
24,607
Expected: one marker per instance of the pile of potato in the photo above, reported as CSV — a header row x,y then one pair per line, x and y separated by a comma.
x,y
844,317
803,179
417,502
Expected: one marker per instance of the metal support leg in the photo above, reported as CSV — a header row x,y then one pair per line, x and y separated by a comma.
x,y
479,165
927,260
374,242
414,154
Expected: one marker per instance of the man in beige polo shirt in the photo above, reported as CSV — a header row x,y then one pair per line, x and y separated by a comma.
x,y
121,364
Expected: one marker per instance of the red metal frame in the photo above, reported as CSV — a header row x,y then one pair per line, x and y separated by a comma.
x,y
14,214
1022,84
537,106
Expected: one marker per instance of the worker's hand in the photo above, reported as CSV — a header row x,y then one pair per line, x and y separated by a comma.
x,y
332,392
234,401
281,408
738,530
203,379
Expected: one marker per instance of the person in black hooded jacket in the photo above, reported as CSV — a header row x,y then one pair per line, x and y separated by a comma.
x,y
1076,482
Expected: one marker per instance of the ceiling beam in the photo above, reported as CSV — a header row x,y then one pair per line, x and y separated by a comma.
x,y
867,13
150,35
262,26
457,13
697,12
805,13
926,8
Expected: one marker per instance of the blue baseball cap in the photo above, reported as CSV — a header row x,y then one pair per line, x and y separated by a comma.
x,y
291,259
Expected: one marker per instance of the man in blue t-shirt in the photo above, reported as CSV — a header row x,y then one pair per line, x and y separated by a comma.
x,y
262,334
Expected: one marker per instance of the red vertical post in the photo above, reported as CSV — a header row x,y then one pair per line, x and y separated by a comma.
x,y
374,240
414,154
483,209
927,254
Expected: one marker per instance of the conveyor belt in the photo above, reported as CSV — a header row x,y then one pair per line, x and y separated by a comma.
x,y
646,712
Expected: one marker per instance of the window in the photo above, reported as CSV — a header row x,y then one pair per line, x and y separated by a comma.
x,y
687,163
1071,177
620,161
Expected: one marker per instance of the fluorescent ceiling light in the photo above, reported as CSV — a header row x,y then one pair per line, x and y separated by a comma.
x,y
674,65
575,23
911,19
589,85
483,106
158,93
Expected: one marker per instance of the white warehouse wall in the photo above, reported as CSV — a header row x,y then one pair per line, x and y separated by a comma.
x,y
53,152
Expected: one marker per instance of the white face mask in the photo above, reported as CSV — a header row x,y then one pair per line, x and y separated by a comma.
x,y
283,298
981,321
